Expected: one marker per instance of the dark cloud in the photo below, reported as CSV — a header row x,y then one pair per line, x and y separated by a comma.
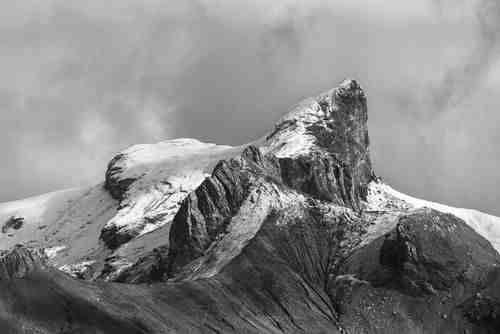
x,y
82,80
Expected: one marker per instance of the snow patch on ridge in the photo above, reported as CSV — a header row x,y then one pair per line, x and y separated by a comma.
x,y
37,212
290,137
68,223
164,174
486,225
77,269
51,252
65,223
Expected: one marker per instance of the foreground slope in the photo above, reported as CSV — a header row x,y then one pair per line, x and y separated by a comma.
x,y
293,234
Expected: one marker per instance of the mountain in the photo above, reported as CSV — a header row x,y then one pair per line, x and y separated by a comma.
x,y
292,233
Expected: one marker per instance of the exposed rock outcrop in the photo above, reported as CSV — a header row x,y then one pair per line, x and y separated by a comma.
x,y
334,127
483,311
425,252
114,236
113,182
151,180
206,212
322,177
21,261
415,278
13,222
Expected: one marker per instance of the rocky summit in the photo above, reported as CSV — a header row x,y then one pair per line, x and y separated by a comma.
x,y
292,233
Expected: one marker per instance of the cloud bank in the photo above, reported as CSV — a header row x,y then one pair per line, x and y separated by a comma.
x,y
83,80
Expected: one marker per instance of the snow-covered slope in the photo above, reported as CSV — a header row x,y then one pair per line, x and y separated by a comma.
x,y
70,224
161,175
66,223
35,213
383,196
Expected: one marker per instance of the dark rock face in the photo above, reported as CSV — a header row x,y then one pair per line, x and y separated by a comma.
x,y
483,308
416,279
340,161
113,183
13,222
205,213
432,250
345,131
20,261
322,177
150,268
115,236
484,312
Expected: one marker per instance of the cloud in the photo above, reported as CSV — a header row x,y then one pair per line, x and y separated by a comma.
x,y
463,79
82,80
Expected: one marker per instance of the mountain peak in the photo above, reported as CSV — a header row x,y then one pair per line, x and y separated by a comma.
x,y
333,125
351,87
319,150
293,226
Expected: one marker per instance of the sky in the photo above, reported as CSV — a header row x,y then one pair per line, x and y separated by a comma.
x,y
82,80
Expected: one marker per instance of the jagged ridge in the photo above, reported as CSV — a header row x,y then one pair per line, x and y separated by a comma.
x,y
292,234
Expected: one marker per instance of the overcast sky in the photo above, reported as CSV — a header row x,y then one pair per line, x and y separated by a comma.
x,y
81,80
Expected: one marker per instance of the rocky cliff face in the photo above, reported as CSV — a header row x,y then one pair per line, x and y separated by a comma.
x,y
327,136
419,276
336,169
150,181
290,234
20,262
